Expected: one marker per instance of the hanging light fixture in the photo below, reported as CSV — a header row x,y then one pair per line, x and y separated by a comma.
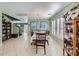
x,y
36,13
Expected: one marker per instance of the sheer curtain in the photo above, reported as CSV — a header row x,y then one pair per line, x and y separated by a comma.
x,y
53,27
62,26
57,27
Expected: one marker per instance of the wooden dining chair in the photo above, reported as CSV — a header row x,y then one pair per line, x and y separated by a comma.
x,y
41,41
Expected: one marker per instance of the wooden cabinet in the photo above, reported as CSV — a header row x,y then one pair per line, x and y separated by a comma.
x,y
6,30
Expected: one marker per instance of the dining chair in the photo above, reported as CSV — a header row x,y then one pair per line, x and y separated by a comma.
x,y
41,41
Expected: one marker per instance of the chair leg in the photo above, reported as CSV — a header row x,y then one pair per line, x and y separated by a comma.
x,y
45,50
36,49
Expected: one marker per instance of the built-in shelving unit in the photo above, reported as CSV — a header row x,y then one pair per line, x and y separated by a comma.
x,y
71,37
6,30
71,32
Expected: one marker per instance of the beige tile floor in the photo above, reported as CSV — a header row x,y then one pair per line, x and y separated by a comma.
x,y
21,47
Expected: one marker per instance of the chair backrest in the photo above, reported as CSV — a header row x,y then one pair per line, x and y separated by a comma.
x,y
41,41
40,36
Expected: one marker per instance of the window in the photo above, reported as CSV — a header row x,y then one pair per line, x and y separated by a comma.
x,y
33,25
43,25
61,26
57,27
53,27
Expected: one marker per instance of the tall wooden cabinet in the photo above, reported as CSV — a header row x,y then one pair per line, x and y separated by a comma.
x,y
71,38
6,30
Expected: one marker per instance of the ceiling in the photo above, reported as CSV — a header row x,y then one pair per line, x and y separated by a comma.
x,y
22,9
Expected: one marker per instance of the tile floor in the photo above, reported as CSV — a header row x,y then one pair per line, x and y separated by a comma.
x,y
21,47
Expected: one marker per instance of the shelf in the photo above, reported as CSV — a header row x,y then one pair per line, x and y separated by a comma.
x,y
71,35
6,30
68,52
78,42
68,22
68,32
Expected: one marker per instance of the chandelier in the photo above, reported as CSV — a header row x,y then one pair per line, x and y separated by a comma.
x,y
36,13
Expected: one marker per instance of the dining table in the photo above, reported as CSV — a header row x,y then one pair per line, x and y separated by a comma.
x,y
33,38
